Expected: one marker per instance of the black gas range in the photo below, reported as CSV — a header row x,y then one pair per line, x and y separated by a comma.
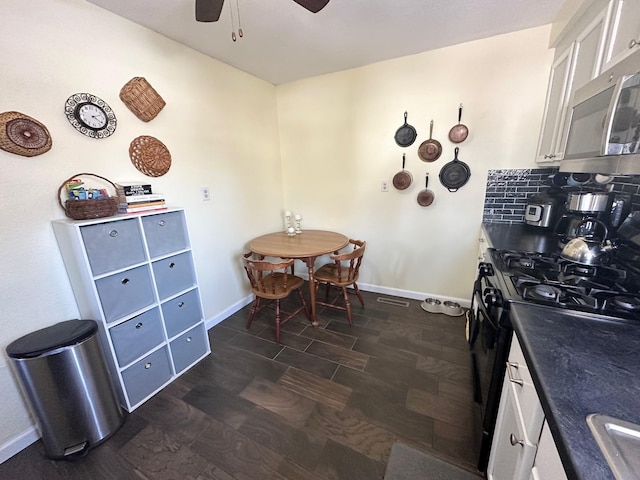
x,y
548,279
507,277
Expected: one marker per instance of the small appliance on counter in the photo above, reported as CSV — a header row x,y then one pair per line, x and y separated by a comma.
x,y
582,206
543,210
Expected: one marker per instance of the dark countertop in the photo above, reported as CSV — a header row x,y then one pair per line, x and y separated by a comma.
x,y
580,364
522,237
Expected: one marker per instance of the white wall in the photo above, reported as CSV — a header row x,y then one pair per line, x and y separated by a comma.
x,y
219,124
337,142
319,147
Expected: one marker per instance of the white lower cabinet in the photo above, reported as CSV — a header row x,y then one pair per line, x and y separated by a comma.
x,y
135,276
522,445
547,465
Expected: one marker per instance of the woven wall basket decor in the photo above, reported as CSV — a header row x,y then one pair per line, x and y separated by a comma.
x,y
23,135
150,156
142,99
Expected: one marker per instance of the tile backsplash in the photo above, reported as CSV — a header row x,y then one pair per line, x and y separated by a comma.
x,y
507,191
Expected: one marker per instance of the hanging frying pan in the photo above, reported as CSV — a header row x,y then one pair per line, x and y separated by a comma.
x,y
430,150
426,196
406,134
402,180
459,132
455,173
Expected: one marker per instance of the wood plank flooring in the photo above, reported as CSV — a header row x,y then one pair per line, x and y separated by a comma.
x,y
326,404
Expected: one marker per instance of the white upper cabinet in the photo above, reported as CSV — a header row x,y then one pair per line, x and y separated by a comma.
x,y
625,31
555,108
575,64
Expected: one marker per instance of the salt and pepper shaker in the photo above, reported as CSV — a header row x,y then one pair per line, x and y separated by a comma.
x,y
287,221
288,227
298,219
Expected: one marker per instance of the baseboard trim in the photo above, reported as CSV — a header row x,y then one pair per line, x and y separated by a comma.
x,y
18,443
227,312
395,292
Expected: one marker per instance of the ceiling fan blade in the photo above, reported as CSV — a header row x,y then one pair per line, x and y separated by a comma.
x,y
208,10
313,6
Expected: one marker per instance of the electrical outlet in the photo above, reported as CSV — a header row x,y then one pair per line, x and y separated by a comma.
x,y
205,194
384,186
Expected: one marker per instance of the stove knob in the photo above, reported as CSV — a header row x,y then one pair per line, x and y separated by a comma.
x,y
485,269
492,297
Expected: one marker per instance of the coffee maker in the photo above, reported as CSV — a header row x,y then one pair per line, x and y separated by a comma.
x,y
581,206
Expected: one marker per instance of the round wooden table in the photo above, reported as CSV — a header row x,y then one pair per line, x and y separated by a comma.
x,y
307,246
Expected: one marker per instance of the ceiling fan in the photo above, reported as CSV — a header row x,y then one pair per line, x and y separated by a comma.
x,y
209,10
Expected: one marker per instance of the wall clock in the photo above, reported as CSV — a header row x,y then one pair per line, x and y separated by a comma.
x,y
90,115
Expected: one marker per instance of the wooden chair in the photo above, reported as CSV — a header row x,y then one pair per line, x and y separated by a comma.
x,y
342,273
273,282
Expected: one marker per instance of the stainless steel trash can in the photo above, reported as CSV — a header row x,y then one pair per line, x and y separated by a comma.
x,y
65,378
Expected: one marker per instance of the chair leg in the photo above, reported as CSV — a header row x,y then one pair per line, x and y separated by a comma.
x,y
252,313
304,304
278,321
326,291
357,290
347,304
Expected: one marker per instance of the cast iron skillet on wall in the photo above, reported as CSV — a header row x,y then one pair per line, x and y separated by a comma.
x,y
209,10
406,134
455,173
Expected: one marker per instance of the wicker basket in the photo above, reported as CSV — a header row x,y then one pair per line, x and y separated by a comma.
x,y
150,156
88,209
142,99
23,135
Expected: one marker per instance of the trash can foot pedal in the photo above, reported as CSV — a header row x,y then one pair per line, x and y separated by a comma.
x,y
76,451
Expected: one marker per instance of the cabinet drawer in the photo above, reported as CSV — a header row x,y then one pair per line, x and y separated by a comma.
x,y
174,274
188,347
137,336
518,377
113,245
165,233
144,377
181,312
530,409
512,455
124,293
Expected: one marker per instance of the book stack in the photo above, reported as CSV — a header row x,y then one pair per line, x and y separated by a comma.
x,y
138,197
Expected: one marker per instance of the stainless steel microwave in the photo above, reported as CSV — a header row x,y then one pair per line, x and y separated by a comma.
x,y
604,126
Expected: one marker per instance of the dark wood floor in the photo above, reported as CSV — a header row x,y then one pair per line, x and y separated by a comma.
x,y
327,404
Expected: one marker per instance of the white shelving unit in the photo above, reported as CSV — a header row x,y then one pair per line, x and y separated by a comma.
x,y
134,275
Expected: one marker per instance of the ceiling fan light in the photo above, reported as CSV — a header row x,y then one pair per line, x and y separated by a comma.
x,y
208,10
313,6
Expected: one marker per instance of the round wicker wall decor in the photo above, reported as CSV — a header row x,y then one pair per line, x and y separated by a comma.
x,y
150,156
23,135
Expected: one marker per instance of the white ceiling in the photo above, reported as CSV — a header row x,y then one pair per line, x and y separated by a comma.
x,y
283,42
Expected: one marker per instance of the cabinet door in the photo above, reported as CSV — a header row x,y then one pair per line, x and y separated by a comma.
x,y
483,244
181,312
511,454
165,233
126,292
174,274
587,58
625,31
555,108
113,245
136,336
188,347
147,375
548,465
